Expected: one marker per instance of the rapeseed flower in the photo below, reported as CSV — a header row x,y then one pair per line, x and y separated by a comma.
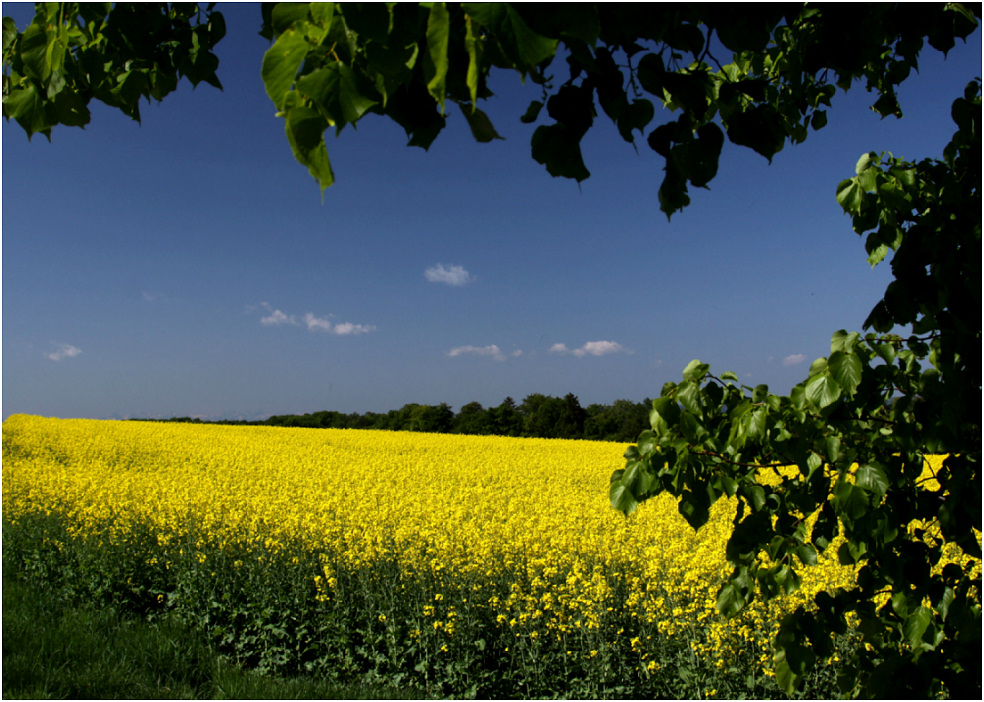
x,y
475,535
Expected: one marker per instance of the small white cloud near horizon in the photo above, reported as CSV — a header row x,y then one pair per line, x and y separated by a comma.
x,y
64,351
347,328
449,275
277,317
344,329
491,350
793,359
592,348
316,323
313,323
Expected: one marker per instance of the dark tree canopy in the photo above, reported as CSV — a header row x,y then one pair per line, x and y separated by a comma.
x,y
857,430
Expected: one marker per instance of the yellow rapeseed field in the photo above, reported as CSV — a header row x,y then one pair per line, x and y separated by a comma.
x,y
508,541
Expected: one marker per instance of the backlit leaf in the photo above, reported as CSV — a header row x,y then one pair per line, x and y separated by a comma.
x,y
438,30
849,195
479,123
872,477
822,390
281,63
846,369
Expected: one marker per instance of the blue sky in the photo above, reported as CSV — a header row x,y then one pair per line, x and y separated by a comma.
x,y
188,266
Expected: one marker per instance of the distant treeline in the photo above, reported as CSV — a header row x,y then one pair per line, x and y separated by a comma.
x,y
538,415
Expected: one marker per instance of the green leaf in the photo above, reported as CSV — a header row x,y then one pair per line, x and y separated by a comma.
x,y
822,390
438,31
521,44
687,90
865,162
559,151
479,123
321,12
730,601
9,34
672,193
686,395
758,128
849,195
305,133
755,494
885,351
336,91
285,14
846,369
697,159
695,508
33,52
849,500
787,579
27,107
877,255
872,477
665,414
727,485
281,63
807,554
532,112
792,660
756,426
473,46
621,498
915,626
695,370
638,114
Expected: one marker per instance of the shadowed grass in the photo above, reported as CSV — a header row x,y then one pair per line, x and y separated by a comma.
x,y
53,649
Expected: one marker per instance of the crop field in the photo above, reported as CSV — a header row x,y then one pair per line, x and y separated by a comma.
x,y
462,565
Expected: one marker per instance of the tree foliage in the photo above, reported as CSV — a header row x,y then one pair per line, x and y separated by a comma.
x,y
72,53
538,416
856,429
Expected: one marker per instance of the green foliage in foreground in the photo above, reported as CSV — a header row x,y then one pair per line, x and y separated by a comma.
x,y
54,648
859,429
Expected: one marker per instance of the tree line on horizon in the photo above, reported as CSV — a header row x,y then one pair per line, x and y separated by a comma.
x,y
537,416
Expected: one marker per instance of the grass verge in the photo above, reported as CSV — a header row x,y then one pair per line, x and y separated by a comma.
x,y
55,649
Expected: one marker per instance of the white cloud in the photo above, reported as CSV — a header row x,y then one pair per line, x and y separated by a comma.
x,y
592,348
599,348
64,351
491,350
793,360
451,275
277,317
346,328
311,321
316,323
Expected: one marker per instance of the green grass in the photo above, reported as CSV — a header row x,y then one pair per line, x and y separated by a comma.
x,y
55,649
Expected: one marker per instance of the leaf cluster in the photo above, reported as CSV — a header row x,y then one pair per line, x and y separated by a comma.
x,y
72,53
330,66
849,444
